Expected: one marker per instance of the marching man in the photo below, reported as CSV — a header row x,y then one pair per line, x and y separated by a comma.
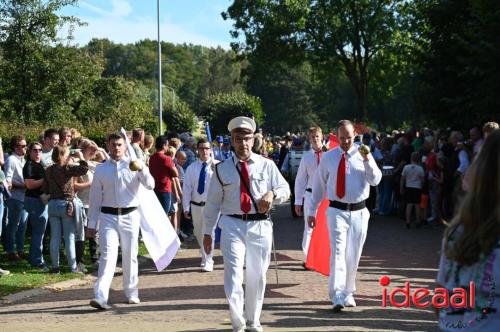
x,y
195,189
303,181
345,173
113,208
243,189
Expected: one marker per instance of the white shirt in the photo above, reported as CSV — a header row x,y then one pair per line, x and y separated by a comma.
x,y
264,177
84,194
414,176
14,175
464,161
359,176
115,185
305,174
190,185
47,159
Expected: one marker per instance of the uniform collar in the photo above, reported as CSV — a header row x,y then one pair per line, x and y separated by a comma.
x,y
252,159
352,151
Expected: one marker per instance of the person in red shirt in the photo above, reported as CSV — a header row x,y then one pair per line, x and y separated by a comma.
x,y
163,169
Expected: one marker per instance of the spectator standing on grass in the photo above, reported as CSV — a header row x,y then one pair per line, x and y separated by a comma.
x,y
16,212
2,191
59,185
34,174
82,186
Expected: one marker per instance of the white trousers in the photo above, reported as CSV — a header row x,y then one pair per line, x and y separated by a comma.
x,y
306,237
114,231
199,231
347,237
245,243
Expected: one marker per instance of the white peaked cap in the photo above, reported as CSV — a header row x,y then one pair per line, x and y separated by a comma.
x,y
242,122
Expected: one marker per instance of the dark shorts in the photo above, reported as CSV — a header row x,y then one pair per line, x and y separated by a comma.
x,y
166,201
412,195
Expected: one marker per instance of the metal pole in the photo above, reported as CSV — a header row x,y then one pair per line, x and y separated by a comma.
x,y
160,104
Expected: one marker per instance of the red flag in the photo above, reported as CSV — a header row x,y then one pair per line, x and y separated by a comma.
x,y
318,255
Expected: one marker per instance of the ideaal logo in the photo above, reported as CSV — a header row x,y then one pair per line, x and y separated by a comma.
x,y
423,297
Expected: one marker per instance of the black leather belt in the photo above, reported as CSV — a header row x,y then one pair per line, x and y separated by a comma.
x,y
250,217
117,211
309,190
348,206
198,203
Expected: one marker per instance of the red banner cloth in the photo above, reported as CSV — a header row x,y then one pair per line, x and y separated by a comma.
x,y
318,256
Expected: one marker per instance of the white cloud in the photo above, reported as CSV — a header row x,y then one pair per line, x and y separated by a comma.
x,y
121,30
119,8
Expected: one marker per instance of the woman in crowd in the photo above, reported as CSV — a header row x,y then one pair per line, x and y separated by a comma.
x,y
471,247
59,186
82,186
34,173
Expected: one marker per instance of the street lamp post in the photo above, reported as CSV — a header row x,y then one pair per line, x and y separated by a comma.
x,y
160,104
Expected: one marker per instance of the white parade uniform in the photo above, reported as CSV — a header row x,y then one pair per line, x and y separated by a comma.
x,y
116,186
191,198
303,190
244,242
347,229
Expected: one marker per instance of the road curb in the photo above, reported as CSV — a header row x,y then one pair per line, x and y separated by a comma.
x,y
59,286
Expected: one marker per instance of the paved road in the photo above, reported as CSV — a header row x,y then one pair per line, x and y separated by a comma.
x,y
184,299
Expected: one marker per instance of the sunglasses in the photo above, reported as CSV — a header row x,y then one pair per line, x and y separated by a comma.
x,y
36,150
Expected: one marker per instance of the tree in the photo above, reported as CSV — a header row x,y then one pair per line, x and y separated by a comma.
x,y
220,108
286,95
178,115
460,72
41,78
117,102
327,32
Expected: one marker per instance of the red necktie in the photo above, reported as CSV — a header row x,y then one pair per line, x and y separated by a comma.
x,y
341,177
244,195
318,156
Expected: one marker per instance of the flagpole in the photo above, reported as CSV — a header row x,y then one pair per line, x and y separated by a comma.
x,y
160,103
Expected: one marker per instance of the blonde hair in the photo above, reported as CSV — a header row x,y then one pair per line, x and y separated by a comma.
x,y
314,130
171,151
175,142
86,143
479,213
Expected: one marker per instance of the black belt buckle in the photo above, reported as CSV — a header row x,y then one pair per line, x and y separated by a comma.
x,y
244,217
348,207
119,211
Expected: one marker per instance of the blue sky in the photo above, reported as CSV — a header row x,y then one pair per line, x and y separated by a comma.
x,y
127,21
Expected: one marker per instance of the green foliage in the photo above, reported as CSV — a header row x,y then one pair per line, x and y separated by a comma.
x,y
117,102
220,108
348,32
178,115
193,71
460,72
41,79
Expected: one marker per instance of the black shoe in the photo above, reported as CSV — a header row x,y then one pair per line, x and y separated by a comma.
x,y
55,270
408,226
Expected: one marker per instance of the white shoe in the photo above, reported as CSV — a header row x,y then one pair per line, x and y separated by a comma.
x,y
338,303
81,267
349,301
4,273
209,267
240,329
134,300
255,328
99,305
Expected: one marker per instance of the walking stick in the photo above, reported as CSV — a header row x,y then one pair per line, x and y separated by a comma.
x,y
275,261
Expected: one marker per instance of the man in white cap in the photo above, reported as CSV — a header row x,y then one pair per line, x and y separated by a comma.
x,y
345,173
304,179
244,189
194,196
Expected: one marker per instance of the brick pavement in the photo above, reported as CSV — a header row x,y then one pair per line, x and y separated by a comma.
x,y
184,299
